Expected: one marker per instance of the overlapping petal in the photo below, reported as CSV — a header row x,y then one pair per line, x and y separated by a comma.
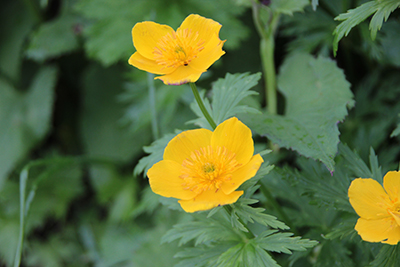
x,y
146,35
368,199
209,199
391,182
164,180
181,75
185,143
143,63
206,28
211,53
242,174
382,230
236,137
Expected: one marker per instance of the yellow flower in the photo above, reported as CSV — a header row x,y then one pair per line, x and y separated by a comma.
x,y
203,168
180,56
378,208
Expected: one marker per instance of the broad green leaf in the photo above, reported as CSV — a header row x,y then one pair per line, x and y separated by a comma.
x,y
9,231
317,95
16,23
288,7
227,95
24,117
54,38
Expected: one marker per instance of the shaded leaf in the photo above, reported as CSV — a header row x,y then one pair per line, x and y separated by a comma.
x,y
317,95
24,117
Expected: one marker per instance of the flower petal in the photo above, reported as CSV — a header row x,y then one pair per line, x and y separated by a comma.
x,y
236,137
146,35
211,53
208,200
391,182
368,198
206,28
182,145
143,63
384,230
183,74
164,180
243,174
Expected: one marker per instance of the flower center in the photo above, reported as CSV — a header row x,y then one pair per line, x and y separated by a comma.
x,y
208,168
178,49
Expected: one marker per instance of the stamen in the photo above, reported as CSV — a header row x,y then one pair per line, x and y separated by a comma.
x,y
207,168
178,49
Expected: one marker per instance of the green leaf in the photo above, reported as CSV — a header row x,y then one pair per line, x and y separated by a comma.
x,y
317,95
227,96
314,4
204,230
288,7
353,17
388,256
389,38
24,117
156,151
250,214
54,38
283,242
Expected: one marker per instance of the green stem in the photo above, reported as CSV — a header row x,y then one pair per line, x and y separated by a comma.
x,y
267,56
201,106
153,110
267,46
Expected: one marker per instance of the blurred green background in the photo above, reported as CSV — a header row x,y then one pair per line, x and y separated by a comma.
x,y
68,96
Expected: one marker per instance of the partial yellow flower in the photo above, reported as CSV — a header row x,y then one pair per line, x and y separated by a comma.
x,y
378,208
203,168
180,56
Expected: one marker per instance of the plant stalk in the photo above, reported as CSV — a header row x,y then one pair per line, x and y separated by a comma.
x,y
202,107
153,110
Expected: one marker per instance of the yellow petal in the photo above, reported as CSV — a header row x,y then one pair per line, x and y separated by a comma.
x,y
206,28
383,230
182,145
143,63
146,35
183,74
208,200
206,57
242,174
164,180
391,182
368,198
236,137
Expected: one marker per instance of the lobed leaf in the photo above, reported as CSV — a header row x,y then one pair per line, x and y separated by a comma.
x,y
288,7
317,95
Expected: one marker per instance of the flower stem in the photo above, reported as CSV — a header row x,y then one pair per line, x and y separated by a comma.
x,y
201,106
153,110
267,46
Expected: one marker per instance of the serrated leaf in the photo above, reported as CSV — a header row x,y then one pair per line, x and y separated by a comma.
x,y
353,17
200,231
227,94
250,214
283,242
317,95
288,7
24,117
